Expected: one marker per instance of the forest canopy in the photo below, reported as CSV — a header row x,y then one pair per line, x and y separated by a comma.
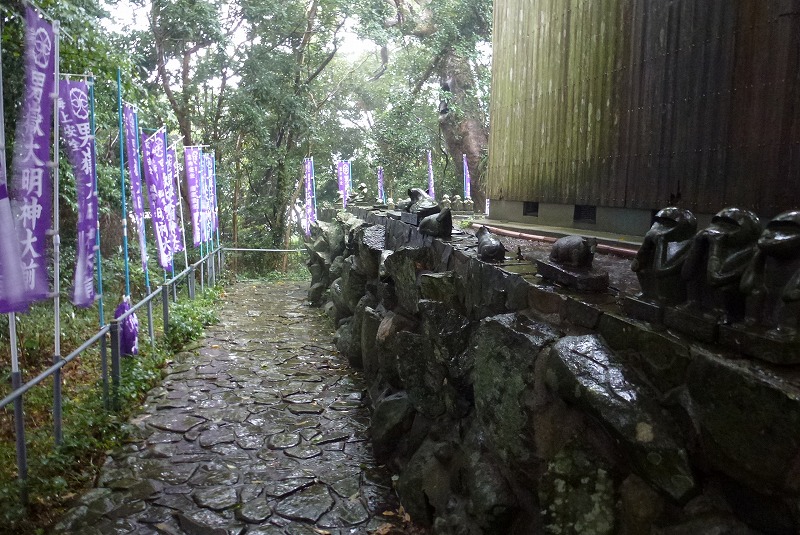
x,y
266,83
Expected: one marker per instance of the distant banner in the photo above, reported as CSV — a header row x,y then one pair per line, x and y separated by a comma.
x,y
208,200
381,192
132,154
174,200
430,176
467,186
311,209
31,184
343,174
76,131
154,162
191,162
211,175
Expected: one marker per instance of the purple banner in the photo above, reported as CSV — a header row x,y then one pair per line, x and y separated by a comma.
x,y
31,184
76,132
154,162
345,179
311,209
129,328
430,176
381,192
467,185
132,154
11,287
207,207
173,176
191,162
211,193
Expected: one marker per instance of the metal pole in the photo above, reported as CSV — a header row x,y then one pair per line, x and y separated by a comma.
x,y
114,329
104,371
122,184
165,307
150,328
57,431
191,283
19,417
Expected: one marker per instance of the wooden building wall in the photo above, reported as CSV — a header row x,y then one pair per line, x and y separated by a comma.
x,y
646,103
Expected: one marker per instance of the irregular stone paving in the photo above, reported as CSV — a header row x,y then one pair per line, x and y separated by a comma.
x,y
261,431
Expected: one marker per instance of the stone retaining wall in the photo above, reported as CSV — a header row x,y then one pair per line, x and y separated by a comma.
x,y
509,406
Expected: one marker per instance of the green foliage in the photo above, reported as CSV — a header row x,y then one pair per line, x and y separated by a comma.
x,y
188,318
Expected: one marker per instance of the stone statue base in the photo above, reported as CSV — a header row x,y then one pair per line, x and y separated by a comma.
x,y
414,218
703,327
585,280
764,344
642,310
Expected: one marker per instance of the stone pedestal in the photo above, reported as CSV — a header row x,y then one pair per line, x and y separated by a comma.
x,y
579,279
765,344
411,219
703,327
642,310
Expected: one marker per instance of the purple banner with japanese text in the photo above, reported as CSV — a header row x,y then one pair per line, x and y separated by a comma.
x,y
132,155
76,132
170,198
343,174
154,156
173,176
32,200
191,162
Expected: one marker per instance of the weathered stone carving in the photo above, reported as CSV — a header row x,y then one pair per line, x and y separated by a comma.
x,y
445,202
716,262
570,264
421,202
772,280
659,261
574,251
438,225
457,205
489,247
469,206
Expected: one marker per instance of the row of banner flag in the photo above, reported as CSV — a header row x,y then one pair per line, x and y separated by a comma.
x,y
344,177
27,212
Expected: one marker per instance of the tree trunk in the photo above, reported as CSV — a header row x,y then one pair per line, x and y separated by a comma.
x,y
462,124
237,188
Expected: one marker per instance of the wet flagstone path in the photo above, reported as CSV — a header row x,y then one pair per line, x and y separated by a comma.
x,y
261,431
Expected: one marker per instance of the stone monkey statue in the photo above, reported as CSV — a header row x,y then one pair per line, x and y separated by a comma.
x,y
659,261
716,261
772,279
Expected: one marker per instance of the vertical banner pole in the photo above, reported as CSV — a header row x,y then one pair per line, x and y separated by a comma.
x,y
122,185
99,259
98,256
57,431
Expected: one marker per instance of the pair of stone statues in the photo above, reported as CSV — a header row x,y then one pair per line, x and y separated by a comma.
x,y
734,269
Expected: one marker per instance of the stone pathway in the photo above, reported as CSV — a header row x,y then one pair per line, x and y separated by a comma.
x,y
261,432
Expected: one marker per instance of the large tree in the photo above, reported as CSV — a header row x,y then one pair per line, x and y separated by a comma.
x,y
452,37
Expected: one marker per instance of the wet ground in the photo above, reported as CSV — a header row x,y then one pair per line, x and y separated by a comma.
x,y
260,431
